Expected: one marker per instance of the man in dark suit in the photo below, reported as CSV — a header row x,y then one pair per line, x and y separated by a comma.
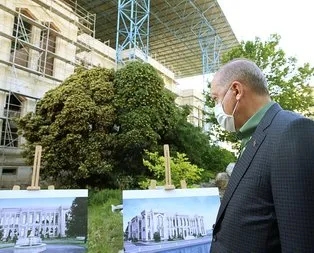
x,y
268,205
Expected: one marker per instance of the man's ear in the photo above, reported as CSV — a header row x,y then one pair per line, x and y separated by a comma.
x,y
237,89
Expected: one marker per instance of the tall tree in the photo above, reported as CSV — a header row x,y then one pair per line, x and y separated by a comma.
x,y
193,141
145,112
95,126
76,224
73,123
288,83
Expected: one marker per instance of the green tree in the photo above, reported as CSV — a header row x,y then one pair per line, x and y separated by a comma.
x,y
157,237
1,233
77,222
146,111
288,83
193,142
181,168
73,123
15,237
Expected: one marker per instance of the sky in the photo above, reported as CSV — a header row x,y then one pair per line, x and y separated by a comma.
x,y
36,202
251,18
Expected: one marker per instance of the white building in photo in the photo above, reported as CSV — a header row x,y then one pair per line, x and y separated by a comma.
x,y
142,227
47,222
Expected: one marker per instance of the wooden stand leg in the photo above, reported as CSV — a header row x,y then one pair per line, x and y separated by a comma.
x,y
183,184
36,168
168,185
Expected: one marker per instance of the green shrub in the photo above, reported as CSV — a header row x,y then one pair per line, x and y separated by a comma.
x,y
157,237
101,197
105,228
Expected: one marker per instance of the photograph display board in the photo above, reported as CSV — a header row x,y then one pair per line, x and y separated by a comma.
x,y
169,221
43,221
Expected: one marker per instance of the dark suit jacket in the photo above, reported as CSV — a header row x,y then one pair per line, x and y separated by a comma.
x,y
269,202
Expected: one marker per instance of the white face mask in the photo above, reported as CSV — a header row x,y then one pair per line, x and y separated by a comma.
x,y
225,121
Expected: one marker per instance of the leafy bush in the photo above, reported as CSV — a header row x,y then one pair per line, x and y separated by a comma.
x,y
101,197
157,237
105,228
181,168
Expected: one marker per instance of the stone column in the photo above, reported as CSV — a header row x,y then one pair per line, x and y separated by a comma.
x,y
6,26
34,54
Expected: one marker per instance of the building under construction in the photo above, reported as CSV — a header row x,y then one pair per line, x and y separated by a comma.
x,y
42,41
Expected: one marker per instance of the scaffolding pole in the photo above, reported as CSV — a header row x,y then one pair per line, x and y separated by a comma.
x,y
132,29
209,41
210,45
21,56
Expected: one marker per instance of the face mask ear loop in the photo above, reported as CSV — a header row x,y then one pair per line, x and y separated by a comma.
x,y
235,107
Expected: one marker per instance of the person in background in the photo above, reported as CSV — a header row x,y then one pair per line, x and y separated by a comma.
x,y
268,205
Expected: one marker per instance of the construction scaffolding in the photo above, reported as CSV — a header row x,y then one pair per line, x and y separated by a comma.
x,y
132,29
34,50
186,36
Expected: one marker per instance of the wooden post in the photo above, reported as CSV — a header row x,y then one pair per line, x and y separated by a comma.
x,y
168,185
36,168
183,184
51,187
153,184
35,174
16,187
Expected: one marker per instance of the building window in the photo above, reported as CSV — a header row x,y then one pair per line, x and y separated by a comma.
x,y
22,33
9,171
12,109
48,44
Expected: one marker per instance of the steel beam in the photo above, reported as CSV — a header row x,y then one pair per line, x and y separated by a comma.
x,y
132,28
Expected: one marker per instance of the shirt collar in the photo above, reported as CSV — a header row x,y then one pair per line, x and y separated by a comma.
x,y
249,127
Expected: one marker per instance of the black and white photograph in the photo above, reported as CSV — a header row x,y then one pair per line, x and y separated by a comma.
x,y
49,221
169,221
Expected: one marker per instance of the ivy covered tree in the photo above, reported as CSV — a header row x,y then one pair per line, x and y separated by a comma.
x,y
95,126
73,123
193,141
288,83
146,111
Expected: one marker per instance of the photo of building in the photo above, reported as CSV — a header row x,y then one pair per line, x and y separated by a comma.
x,y
144,226
46,222
43,220
164,221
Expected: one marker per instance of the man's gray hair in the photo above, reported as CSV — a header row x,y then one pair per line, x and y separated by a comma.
x,y
246,72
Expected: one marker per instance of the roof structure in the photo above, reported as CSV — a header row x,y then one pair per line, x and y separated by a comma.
x,y
174,30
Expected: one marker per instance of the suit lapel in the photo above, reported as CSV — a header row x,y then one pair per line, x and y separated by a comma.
x,y
245,160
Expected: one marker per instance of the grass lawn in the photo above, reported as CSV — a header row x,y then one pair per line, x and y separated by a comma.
x,y
105,229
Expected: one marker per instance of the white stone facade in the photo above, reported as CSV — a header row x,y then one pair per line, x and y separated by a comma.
x,y
39,222
196,101
169,226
